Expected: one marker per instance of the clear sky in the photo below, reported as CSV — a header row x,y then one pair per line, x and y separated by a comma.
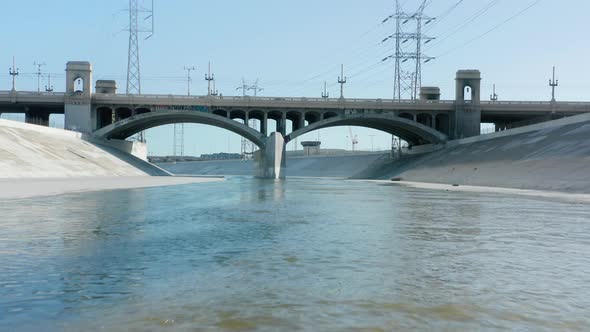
x,y
292,47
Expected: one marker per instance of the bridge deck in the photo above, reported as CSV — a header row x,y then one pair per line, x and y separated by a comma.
x,y
14,102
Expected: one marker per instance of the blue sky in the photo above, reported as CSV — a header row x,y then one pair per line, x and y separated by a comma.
x,y
292,47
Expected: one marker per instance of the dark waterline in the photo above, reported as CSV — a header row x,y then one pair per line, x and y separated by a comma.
x,y
310,254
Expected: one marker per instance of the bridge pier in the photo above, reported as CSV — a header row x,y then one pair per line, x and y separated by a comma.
x,y
271,160
283,124
264,124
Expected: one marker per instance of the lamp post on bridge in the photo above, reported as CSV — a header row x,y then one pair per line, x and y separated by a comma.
x,y
209,78
494,95
553,83
325,94
14,73
342,80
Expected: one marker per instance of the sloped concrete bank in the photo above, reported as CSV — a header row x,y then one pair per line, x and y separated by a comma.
x,y
36,160
552,156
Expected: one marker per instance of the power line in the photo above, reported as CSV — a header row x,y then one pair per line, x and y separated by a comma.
x,y
460,27
493,28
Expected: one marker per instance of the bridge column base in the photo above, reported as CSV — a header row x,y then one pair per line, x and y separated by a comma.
x,y
271,160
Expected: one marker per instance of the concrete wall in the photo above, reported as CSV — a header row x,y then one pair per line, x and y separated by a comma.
x,y
137,149
29,151
316,166
549,156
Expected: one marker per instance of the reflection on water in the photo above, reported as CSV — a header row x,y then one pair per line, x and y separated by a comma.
x,y
307,254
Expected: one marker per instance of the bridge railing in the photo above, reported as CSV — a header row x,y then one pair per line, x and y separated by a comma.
x,y
204,99
31,93
331,100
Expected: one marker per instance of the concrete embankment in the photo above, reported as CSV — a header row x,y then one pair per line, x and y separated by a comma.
x,y
316,166
552,156
29,151
40,161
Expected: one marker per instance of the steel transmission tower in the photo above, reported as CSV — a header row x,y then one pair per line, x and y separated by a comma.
x,y
133,68
247,146
407,79
178,140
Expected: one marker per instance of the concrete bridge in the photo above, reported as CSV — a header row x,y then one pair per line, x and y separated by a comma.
x,y
105,114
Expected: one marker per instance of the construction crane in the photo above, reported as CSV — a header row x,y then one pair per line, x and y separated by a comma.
x,y
354,139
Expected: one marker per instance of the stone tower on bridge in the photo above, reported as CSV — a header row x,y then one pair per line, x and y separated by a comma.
x,y
467,118
78,101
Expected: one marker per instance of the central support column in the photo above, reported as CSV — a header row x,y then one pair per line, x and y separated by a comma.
x,y
271,160
283,124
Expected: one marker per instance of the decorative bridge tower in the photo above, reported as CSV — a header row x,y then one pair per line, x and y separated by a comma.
x,y
78,102
467,117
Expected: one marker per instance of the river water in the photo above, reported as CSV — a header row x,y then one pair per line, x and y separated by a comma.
x,y
300,254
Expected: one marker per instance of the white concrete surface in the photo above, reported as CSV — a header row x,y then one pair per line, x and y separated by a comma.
x,y
553,195
31,187
548,157
30,151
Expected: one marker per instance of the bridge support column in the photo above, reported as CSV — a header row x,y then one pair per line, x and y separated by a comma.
x,y
301,122
264,123
37,118
283,124
271,160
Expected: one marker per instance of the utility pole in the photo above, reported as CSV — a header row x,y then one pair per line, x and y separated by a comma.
x,y
407,81
244,87
14,73
178,137
188,78
553,83
49,87
325,94
178,140
39,65
214,93
133,72
256,88
133,68
342,80
253,123
494,95
209,78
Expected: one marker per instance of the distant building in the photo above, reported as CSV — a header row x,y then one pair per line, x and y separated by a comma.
x,y
311,148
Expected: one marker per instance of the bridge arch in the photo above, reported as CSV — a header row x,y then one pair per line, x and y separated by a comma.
x,y
408,130
126,128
